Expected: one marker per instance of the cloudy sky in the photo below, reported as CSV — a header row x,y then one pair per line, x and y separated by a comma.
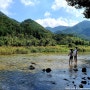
x,y
50,13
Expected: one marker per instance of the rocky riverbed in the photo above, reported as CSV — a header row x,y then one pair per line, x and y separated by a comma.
x,y
44,72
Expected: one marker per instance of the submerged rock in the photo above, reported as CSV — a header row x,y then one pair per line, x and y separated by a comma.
x,y
43,70
52,82
84,69
48,70
88,78
84,78
31,67
80,86
65,79
75,69
33,63
84,82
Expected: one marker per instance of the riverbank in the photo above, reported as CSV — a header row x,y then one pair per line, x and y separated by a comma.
x,y
8,50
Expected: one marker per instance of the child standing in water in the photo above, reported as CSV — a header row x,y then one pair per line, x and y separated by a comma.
x,y
75,55
71,56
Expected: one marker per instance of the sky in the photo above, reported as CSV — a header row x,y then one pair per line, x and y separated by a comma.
x,y
48,13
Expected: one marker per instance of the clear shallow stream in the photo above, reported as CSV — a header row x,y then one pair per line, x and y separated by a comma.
x,y
15,73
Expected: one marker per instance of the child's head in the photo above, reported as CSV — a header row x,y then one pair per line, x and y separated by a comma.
x,y
76,47
71,49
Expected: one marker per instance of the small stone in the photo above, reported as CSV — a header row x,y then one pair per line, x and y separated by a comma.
x,y
31,67
43,70
81,86
53,82
83,82
75,69
84,69
73,82
88,78
48,70
33,63
65,79
84,78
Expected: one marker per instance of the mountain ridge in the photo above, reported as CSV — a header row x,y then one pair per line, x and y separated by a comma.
x,y
81,29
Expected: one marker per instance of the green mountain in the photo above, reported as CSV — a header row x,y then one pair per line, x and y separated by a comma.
x,y
27,32
57,29
30,27
30,33
82,30
8,25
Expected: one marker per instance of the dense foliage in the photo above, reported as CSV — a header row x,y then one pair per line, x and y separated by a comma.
x,y
70,40
30,33
81,4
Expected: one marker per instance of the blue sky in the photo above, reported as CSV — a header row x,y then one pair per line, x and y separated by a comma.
x,y
50,13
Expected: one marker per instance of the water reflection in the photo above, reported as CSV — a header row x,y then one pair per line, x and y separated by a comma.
x,y
17,80
73,71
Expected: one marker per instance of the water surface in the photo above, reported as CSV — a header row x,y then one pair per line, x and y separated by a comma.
x,y
15,73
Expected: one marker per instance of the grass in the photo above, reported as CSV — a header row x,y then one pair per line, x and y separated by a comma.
x,y
8,50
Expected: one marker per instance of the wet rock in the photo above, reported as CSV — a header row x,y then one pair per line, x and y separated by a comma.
x,y
75,69
75,86
84,78
48,70
65,79
84,69
43,70
80,86
84,82
53,82
31,67
73,82
88,78
33,63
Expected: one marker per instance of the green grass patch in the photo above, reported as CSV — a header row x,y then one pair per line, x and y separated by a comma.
x,y
8,50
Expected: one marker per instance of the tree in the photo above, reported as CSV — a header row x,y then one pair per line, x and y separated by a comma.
x,y
81,4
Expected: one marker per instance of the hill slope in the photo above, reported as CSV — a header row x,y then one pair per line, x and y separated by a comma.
x,y
27,32
82,29
57,29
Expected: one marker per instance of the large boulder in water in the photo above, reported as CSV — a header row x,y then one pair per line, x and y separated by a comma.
x,y
48,70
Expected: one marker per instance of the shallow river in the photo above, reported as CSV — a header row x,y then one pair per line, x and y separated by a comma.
x,y
16,74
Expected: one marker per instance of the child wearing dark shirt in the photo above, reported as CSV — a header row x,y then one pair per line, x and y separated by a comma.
x,y
71,56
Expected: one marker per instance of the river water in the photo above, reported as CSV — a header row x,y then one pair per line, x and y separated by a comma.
x,y
15,72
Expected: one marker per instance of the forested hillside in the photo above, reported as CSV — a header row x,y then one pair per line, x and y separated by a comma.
x,y
30,33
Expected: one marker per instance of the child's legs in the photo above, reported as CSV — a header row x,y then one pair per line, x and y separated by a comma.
x,y
70,59
75,59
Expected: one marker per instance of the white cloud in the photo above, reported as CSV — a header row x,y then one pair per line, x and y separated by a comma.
x,y
4,5
47,14
29,2
52,22
58,4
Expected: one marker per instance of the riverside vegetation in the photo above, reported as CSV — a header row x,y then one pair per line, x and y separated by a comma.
x,y
30,37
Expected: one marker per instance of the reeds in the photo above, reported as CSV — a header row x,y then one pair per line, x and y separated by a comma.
x,y
8,50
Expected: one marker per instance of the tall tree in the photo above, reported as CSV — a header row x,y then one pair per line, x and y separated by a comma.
x,y
81,4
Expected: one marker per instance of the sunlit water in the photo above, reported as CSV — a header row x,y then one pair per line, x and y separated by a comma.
x,y
16,75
